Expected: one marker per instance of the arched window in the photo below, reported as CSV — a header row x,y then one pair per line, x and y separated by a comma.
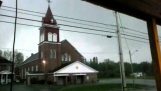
x,y
62,58
69,58
41,54
49,36
36,67
32,68
54,37
52,53
41,37
66,57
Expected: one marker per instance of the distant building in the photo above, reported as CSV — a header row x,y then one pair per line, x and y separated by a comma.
x,y
137,74
55,55
5,71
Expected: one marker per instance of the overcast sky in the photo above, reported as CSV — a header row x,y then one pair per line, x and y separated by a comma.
x,y
27,38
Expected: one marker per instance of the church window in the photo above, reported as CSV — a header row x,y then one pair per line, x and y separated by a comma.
x,y
65,57
51,20
28,69
62,58
54,37
52,53
69,58
32,68
36,67
41,54
50,35
41,37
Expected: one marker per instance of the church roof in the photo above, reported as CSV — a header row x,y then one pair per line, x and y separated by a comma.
x,y
66,42
49,19
31,58
49,13
35,56
76,67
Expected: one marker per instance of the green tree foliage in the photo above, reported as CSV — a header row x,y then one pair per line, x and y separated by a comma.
x,y
111,69
19,57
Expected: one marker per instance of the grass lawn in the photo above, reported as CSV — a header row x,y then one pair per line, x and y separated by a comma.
x,y
101,87
19,87
86,87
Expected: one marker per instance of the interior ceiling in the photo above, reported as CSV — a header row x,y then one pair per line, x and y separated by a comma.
x,y
142,9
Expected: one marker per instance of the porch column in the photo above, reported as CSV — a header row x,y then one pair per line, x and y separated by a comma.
x,y
6,79
66,80
28,80
155,50
1,78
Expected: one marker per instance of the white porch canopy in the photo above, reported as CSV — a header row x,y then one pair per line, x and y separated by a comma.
x,y
4,76
75,68
5,72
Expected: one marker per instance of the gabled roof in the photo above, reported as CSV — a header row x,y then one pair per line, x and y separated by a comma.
x,y
76,68
3,60
49,14
49,19
66,42
30,59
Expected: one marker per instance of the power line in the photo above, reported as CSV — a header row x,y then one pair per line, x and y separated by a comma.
x,y
78,23
98,30
75,31
74,19
61,20
61,16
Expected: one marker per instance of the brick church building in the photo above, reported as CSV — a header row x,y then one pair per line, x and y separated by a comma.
x,y
55,58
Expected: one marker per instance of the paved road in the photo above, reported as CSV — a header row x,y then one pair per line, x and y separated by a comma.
x,y
148,82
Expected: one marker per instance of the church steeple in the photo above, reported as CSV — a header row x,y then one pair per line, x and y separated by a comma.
x,y
49,46
49,19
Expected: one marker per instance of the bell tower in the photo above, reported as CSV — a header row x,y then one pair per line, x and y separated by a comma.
x,y
49,46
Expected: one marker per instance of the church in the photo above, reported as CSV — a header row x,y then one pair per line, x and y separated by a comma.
x,y
57,62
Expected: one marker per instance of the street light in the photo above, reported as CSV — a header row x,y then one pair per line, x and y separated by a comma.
x,y
132,71
44,62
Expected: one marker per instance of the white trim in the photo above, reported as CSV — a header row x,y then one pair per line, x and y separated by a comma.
x,y
34,74
79,74
61,74
5,72
49,42
58,71
49,25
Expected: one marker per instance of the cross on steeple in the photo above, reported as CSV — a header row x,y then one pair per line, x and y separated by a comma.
x,y
49,1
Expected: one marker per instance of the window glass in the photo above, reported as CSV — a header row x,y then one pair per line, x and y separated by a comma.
x,y
54,37
49,36
52,53
36,67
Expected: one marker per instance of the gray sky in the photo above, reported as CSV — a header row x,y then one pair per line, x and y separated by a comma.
x,y
88,45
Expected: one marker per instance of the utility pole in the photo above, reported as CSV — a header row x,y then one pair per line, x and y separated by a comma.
x,y
132,71
122,69
0,3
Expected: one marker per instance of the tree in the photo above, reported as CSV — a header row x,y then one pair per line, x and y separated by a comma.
x,y
19,57
1,52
